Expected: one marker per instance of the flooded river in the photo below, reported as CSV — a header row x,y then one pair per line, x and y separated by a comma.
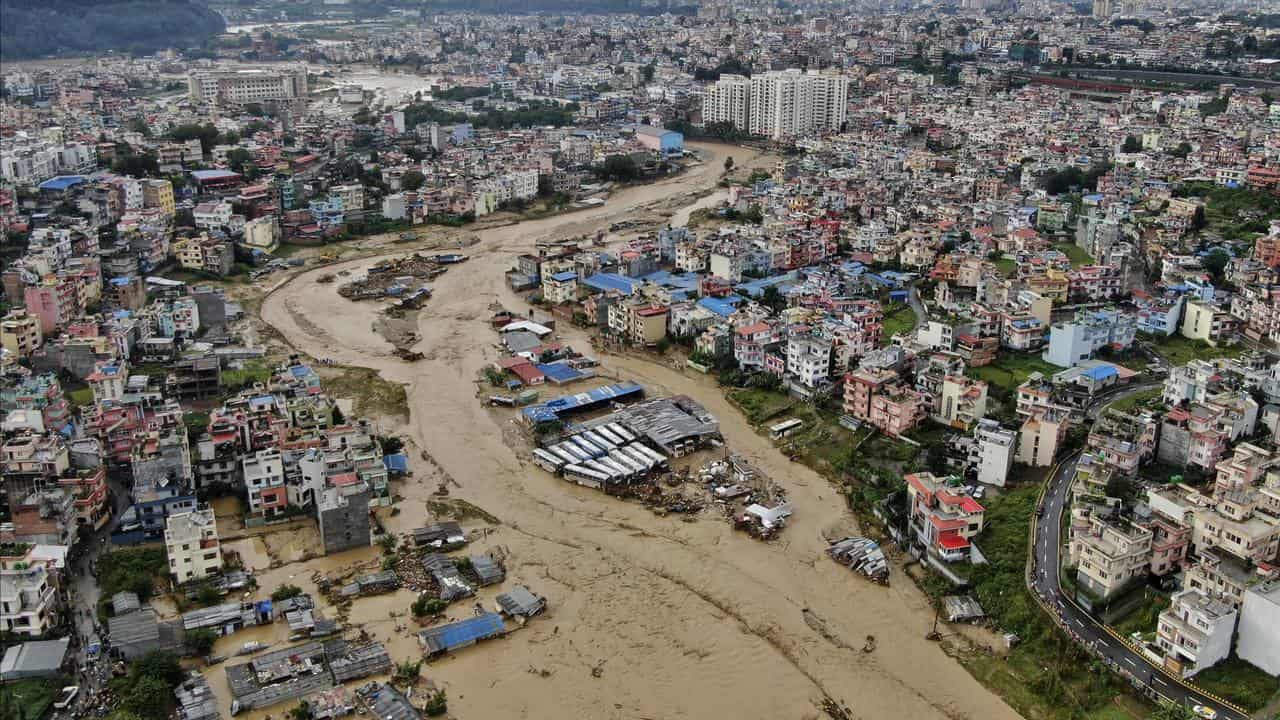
x,y
682,619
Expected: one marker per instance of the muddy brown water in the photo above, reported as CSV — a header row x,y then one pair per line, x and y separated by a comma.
x,y
683,619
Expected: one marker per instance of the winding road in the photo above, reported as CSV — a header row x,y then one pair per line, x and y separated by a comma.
x,y
1045,583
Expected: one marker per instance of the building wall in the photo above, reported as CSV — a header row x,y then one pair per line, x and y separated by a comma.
x,y
1260,627
345,525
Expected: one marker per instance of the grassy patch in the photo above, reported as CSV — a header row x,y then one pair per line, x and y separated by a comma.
x,y
1143,617
1007,267
248,374
81,397
897,319
1239,682
1074,253
759,405
1178,350
1011,370
371,394
1138,399
33,695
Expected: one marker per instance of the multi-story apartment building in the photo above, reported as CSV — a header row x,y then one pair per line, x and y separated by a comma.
x,y
1206,321
1040,436
28,592
1124,440
1259,642
879,399
992,452
1195,632
20,333
809,360
1110,555
1076,341
793,103
728,100
191,541
264,479
943,517
749,343
962,402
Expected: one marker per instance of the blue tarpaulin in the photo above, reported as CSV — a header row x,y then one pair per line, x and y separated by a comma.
x,y
396,463
551,409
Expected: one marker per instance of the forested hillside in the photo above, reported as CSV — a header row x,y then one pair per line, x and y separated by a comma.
x,y
39,28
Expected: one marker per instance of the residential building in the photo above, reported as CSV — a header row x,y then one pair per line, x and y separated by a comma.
x,y
1110,556
561,287
1041,435
962,402
992,452
264,479
1259,642
728,100
20,333
1206,321
1071,343
191,542
28,594
793,103
1195,632
943,517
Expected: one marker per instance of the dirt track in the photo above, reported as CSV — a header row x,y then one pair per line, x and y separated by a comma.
x,y
685,619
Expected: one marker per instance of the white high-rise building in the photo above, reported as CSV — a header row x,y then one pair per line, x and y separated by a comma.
x,y
727,101
793,103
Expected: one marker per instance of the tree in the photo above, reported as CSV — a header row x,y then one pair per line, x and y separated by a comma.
x,y
412,180
728,163
620,167
284,592
148,698
647,73
1131,145
436,706
201,640
208,595
207,134
1171,711
1216,262
158,664
338,417
772,298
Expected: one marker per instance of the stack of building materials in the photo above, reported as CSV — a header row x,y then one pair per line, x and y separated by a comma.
x,y
863,555
448,579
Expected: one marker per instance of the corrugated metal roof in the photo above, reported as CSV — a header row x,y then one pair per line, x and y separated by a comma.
x,y
462,633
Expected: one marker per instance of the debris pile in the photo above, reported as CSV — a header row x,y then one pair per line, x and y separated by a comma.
x,y
863,555
403,278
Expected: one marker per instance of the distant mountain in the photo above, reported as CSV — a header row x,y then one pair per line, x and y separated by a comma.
x,y
40,28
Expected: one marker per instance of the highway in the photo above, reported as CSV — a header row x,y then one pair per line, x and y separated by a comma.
x,y
1079,624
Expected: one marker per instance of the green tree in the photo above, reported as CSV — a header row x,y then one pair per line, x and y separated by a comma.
x,y
436,706
647,73
412,180
1131,145
1172,711
148,698
284,592
207,134
1215,263
201,640
728,163
620,167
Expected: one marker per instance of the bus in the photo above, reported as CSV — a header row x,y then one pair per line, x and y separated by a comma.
x,y
784,428
547,461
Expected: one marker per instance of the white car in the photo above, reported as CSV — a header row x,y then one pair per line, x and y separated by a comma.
x,y
1207,713
67,697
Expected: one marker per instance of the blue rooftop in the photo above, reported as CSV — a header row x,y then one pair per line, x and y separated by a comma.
x,y
463,632
551,409
756,288
558,372
723,307
61,182
565,276
398,463
1101,372
213,174
612,281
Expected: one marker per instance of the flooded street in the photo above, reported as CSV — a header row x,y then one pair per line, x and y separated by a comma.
x,y
682,619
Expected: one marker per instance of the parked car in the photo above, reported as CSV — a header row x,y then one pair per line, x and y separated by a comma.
x,y
67,697
1207,713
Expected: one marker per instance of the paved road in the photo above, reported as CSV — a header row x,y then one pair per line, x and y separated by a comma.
x,y
1087,630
